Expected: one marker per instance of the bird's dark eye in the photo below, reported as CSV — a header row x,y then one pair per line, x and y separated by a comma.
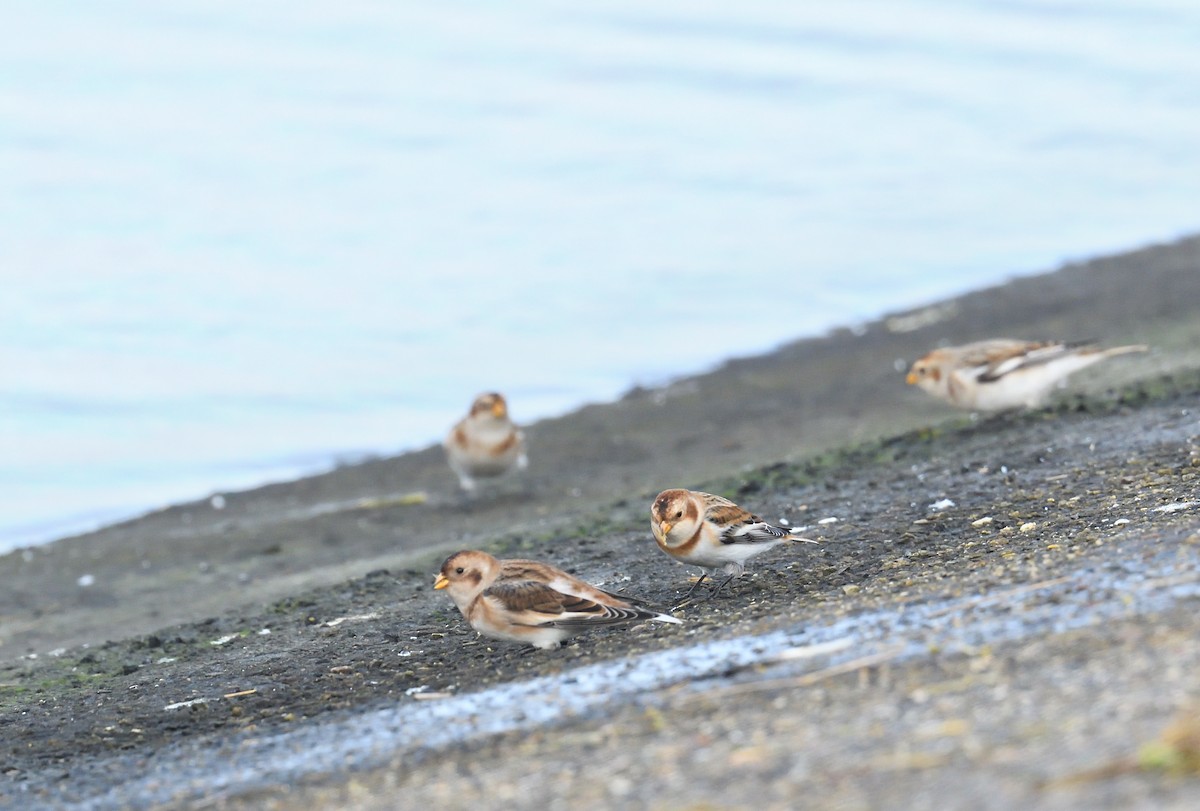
x,y
459,570
679,514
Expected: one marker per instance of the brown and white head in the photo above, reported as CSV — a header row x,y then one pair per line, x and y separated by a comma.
x,y
465,575
675,516
490,405
930,373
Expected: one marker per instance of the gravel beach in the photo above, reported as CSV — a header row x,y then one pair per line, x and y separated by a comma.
x,y
1001,610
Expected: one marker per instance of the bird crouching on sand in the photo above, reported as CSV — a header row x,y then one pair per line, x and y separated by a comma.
x,y
532,602
713,533
485,443
1003,373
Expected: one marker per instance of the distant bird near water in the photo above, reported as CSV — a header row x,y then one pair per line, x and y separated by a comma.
x,y
712,532
1003,373
485,443
532,602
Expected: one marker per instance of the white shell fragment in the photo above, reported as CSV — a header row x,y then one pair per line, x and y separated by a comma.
x,y
181,704
1175,506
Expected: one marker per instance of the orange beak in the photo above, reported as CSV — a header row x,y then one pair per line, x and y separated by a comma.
x,y
911,379
499,409
441,581
664,529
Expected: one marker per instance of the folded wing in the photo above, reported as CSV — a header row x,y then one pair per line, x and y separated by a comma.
x,y
1009,357
528,602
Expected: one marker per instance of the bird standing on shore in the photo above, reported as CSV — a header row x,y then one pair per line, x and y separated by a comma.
x,y
485,443
532,602
1002,373
712,532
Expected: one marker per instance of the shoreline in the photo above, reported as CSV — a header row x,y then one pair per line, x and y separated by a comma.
x,y
303,605
807,397
40,532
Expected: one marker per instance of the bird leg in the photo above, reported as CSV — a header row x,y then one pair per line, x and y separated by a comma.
x,y
721,585
699,580
687,598
711,593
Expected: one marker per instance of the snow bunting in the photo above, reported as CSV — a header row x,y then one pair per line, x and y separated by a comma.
x,y
531,602
1003,373
712,532
485,443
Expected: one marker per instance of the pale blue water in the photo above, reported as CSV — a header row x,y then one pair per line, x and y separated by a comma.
x,y
240,240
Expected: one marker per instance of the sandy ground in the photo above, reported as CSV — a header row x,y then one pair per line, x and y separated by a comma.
x,y
977,713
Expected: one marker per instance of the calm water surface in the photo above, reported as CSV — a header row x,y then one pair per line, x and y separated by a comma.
x,y
239,241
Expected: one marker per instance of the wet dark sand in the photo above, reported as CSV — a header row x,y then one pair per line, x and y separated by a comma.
x,y
337,568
